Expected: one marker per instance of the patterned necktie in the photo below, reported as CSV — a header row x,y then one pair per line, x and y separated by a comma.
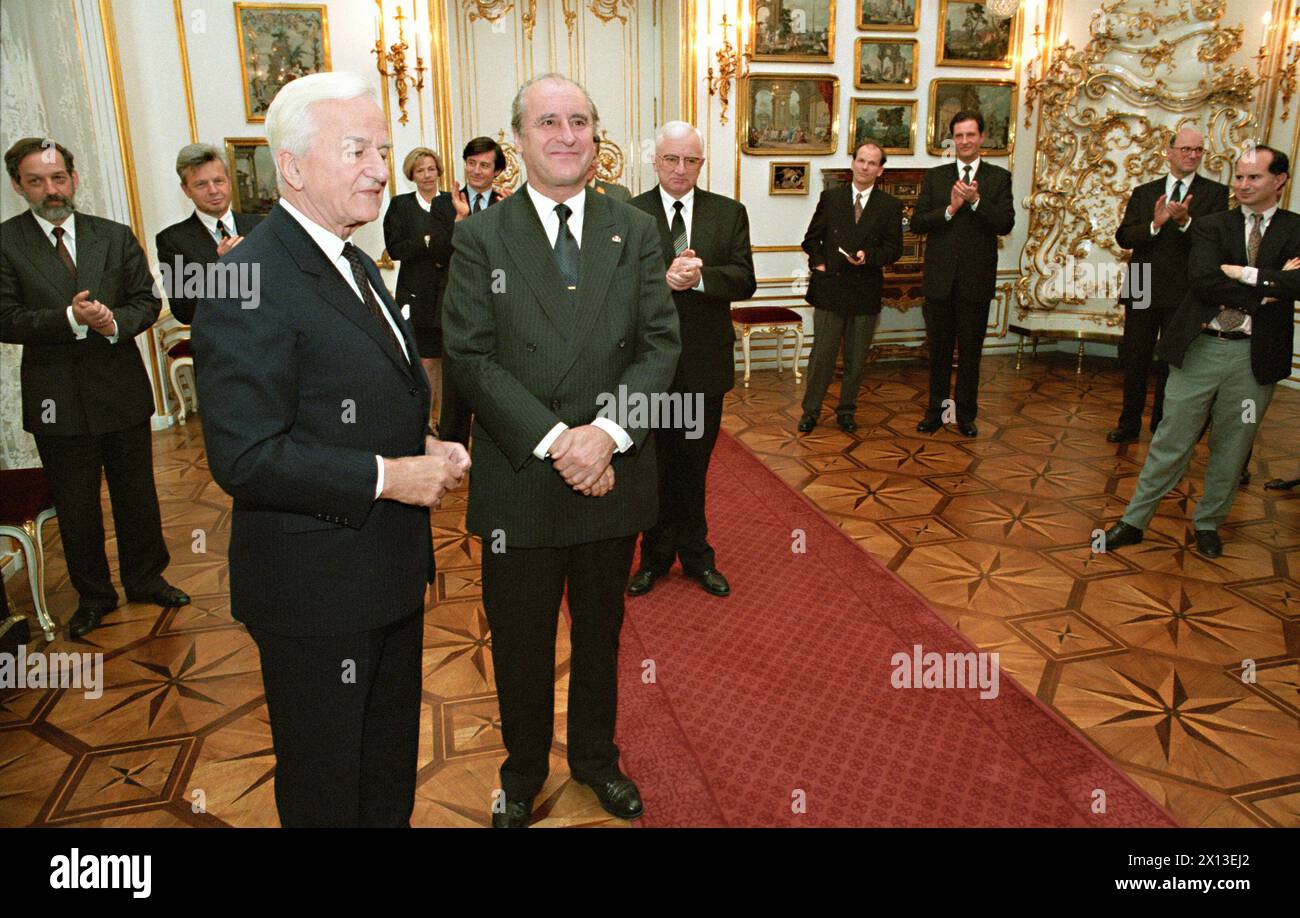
x,y
1232,319
566,249
1178,191
478,202
680,241
966,177
61,250
857,206
353,255
221,228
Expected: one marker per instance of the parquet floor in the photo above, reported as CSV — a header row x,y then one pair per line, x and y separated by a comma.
x,y
1142,649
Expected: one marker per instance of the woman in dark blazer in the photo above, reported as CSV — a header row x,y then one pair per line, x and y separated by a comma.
x,y
417,234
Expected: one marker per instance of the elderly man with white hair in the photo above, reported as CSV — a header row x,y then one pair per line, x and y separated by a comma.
x,y
315,419
708,265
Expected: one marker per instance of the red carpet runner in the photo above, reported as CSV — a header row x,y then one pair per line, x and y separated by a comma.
x,y
780,695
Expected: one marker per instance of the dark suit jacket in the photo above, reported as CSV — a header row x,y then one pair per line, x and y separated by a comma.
x,y
719,237
191,242
843,287
526,360
1166,251
613,190
299,396
92,387
421,241
1220,239
1280,283
965,247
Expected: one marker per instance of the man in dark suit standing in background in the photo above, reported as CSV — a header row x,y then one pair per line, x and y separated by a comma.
x,y
75,290
1155,226
1228,345
316,423
705,241
208,233
556,303
963,208
855,231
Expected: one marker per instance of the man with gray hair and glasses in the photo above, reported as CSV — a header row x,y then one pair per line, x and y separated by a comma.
x,y
208,233
315,419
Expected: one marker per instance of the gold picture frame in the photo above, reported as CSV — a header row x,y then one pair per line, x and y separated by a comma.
x,y
253,188
887,67
994,99
817,129
975,37
887,133
305,28
788,177
881,20
764,46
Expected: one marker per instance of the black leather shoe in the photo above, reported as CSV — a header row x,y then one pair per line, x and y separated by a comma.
x,y
642,581
847,424
87,619
1208,543
712,580
807,423
517,815
929,425
968,429
166,596
618,796
1122,534
1120,435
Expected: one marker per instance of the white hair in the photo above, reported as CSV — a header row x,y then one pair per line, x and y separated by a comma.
x,y
676,130
289,123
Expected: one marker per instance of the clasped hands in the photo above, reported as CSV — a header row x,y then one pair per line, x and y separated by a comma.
x,y
423,480
93,313
581,455
684,272
1234,272
1167,210
963,193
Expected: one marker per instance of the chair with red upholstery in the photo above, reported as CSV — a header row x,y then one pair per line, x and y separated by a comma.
x,y
25,507
179,352
771,320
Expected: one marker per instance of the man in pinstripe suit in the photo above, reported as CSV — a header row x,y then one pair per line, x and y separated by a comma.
x,y
556,301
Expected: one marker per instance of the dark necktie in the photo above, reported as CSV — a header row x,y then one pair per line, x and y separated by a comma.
x,y
61,250
353,255
566,249
221,228
680,242
1178,191
966,177
857,206
478,202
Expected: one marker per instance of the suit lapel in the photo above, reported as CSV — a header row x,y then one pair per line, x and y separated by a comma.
x,y
92,251
531,252
201,239
600,253
665,230
1270,247
703,228
869,212
1238,241
403,325
44,258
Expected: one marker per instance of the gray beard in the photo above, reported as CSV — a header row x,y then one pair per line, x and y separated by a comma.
x,y
55,212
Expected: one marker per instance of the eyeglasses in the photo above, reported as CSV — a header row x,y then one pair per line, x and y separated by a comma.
x,y
1185,150
672,159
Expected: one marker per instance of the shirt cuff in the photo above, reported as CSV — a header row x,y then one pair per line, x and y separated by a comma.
x,y
78,329
112,339
622,441
946,215
1154,231
700,285
975,205
379,482
1183,228
541,449
1250,276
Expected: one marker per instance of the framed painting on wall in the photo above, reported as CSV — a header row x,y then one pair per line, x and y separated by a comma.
x,y
994,99
792,30
278,43
252,175
789,113
885,63
970,36
788,178
889,122
885,15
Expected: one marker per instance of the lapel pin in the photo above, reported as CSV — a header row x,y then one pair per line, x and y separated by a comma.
x,y
406,311
616,238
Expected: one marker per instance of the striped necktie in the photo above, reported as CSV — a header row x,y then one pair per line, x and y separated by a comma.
x,y
680,241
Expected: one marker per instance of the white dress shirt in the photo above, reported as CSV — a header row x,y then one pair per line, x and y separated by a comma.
x,y
332,246
210,222
961,172
688,217
424,205
485,196
1249,275
70,243
1170,181
545,208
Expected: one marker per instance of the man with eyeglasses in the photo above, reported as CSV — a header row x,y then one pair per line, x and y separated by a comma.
x,y
708,264
1155,228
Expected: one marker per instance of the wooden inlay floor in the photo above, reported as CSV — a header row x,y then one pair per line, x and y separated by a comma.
x,y
1141,649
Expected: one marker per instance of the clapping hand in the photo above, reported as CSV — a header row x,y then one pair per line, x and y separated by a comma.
x,y
94,314
225,245
460,201
684,272
1178,210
